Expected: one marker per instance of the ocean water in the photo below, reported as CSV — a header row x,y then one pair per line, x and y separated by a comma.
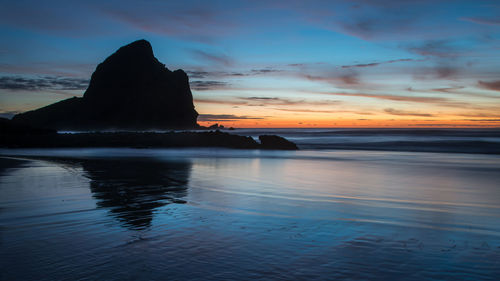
x,y
424,140
222,214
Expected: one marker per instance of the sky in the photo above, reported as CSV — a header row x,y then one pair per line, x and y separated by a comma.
x,y
349,63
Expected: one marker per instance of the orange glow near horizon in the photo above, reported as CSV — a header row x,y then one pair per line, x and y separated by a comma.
x,y
367,111
353,123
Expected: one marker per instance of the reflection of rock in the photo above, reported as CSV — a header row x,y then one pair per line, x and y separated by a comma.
x,y
132,189
131,89
276,142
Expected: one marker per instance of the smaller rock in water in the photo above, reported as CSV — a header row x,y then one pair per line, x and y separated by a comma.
x,y
276,142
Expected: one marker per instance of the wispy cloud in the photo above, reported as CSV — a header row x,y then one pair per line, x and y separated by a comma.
x,y
406,113
493,85
207,85
482,120
304,110
202,74
485,21
197,74
219,101
448,90
218,59
197,21
436,48
42,83
75,70
376,63
394,97
45,17
266,101
225,117
479,115
440,71
263,101
265,71
350,78
367,24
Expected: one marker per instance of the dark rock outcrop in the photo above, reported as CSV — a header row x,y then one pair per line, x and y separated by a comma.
x,y
131,89
276,142
142,140
130,139
8,127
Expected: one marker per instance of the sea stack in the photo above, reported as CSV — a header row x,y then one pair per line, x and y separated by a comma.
x,y
130,90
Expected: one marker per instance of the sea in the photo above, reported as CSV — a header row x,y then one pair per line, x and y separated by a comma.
x,y
351,204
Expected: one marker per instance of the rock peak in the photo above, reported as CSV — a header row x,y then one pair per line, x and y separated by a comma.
x,y
130,89
137,48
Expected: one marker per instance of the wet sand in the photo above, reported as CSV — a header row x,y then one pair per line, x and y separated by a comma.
x,y
214,214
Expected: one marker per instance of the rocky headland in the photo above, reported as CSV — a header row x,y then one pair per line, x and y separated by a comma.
x,y
129,92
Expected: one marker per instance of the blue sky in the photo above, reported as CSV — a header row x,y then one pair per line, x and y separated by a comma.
x,y
272,63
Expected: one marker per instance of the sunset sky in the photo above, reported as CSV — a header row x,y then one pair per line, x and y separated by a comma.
x,y
356,63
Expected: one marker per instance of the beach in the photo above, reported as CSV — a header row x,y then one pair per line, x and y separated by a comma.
x,y
216,214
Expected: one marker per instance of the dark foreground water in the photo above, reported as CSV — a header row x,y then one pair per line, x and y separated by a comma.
x,y
216,214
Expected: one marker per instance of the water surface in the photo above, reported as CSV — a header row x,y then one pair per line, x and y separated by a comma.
x,y
216,214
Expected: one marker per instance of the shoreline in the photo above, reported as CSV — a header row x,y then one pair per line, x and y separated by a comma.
x,y
144,140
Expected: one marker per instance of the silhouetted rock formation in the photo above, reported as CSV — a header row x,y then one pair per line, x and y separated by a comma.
x,y
276,142
143,140
8,127
131,139
131,89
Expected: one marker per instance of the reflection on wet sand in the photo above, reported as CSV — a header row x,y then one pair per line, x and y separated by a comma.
x,y
132,189
306,215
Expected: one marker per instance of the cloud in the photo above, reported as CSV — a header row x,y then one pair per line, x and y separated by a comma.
x,y
493,85
451,125
225,117
394,98
374,20
350,79
448,90
196,21
266,101
58,17
345,79
436,48
42,83
454,90
429,100
207,85
485,21
370,28
198,74
217,101
441,71
201,74
218,59
76,70
264,71
445,71
480,115
322,111
263,101
306,110
406,113
483,120
376,63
